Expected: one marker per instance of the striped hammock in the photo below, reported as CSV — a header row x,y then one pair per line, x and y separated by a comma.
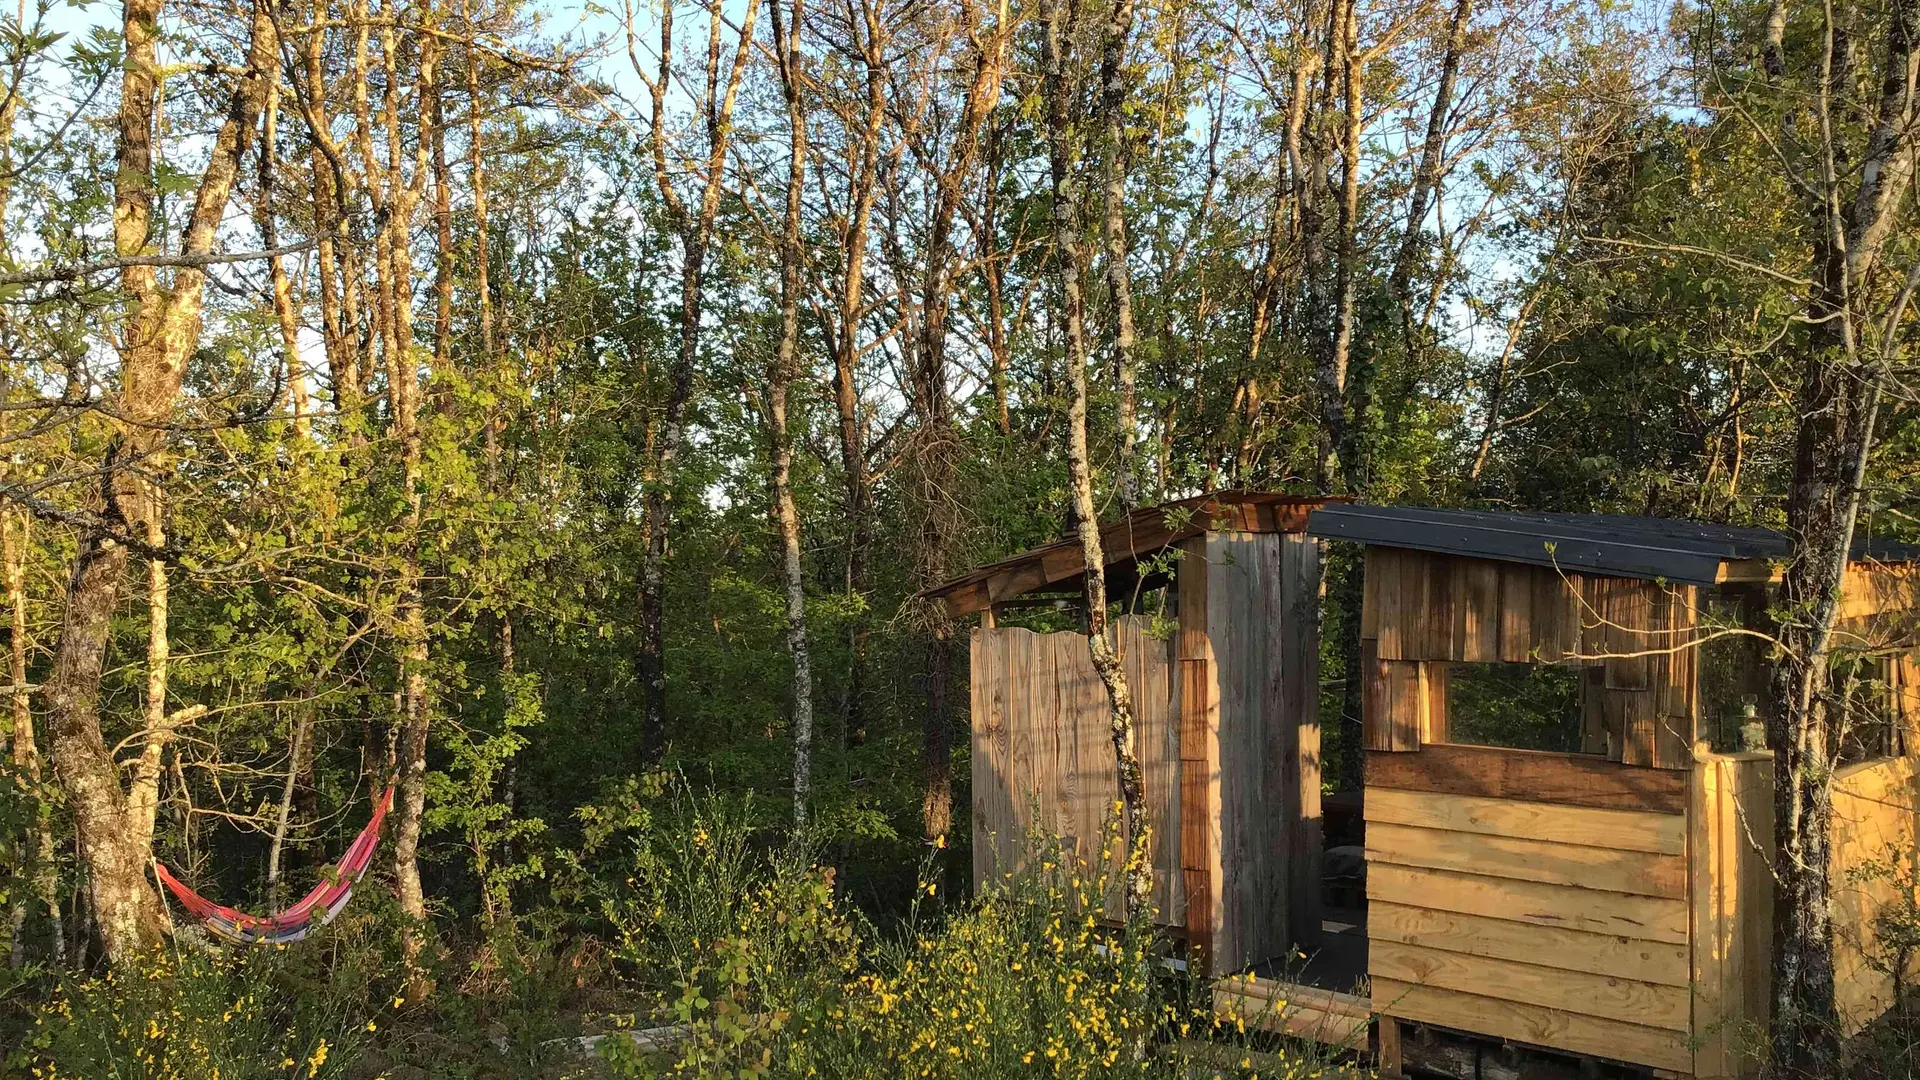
x,y
317,908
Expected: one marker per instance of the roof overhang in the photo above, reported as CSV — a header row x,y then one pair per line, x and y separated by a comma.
x,y
1141,534
1611,545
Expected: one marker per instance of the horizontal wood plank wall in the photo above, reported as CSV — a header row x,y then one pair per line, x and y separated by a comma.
x,y
1041,740
1422,610
1564,779
1874,847
1561,926
1730,840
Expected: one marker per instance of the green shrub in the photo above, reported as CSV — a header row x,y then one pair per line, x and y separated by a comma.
x,y
192,1015
764,972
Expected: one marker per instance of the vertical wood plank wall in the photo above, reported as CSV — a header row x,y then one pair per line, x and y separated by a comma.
x,y
1558,925
1262,633
1423,611
1730,840
1874,814
1229,739
1041,741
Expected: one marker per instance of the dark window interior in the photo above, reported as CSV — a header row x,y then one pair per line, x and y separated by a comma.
x,y
1517,706
1733,674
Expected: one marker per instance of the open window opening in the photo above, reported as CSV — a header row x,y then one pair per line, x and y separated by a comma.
x,y
1519,706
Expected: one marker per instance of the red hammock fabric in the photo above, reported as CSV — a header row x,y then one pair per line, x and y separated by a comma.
x,y
317,908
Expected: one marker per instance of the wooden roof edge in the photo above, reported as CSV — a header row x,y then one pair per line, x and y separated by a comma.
x,y
1144,532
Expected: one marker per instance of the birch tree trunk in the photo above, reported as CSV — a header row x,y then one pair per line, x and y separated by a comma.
x,y
1065,137
786,41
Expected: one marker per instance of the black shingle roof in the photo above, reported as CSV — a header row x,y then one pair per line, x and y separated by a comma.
x,y
1618,545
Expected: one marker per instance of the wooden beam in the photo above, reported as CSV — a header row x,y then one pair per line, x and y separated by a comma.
x,y
1569,779
1620,830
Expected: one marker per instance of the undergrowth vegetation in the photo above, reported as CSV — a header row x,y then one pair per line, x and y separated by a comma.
x,y
708,948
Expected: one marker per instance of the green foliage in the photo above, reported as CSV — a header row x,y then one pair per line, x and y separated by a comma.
x,y
188,1014
761,970
1523,706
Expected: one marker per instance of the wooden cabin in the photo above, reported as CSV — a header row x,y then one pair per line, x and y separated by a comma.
x,y
1568,805
1220,641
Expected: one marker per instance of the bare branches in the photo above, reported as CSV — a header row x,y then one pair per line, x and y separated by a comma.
x,y
77,271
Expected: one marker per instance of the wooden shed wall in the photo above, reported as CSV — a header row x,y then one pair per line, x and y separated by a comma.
x,y
1730,825
1228,734
1874,856
1259,605
1558,925
1423,610
1041,739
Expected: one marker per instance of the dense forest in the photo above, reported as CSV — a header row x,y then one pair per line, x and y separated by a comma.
x,y
560,413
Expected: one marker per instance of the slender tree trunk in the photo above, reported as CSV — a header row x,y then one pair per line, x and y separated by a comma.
x,y
160,334
36,851
1348,391
1113,96
1837,407
993,273
403,393
935,450
283,818
1426,176
38,862
696,232
786,41
1065,137
281,287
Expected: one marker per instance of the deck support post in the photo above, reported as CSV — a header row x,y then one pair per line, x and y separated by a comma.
x,y
1387,1048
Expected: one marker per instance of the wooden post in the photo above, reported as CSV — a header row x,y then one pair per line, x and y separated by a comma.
x,y
1199,759
1387,1053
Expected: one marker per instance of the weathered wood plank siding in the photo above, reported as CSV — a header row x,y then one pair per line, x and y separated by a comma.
x,y
1560,926
1041,741
1423,611
1262,626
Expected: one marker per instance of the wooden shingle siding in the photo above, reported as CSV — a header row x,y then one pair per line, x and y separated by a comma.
x,y
1562,926
1422,611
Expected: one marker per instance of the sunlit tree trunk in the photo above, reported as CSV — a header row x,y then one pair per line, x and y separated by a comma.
x,y
1113,163
1066,122
160,333
1837,405
695,227
936,447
